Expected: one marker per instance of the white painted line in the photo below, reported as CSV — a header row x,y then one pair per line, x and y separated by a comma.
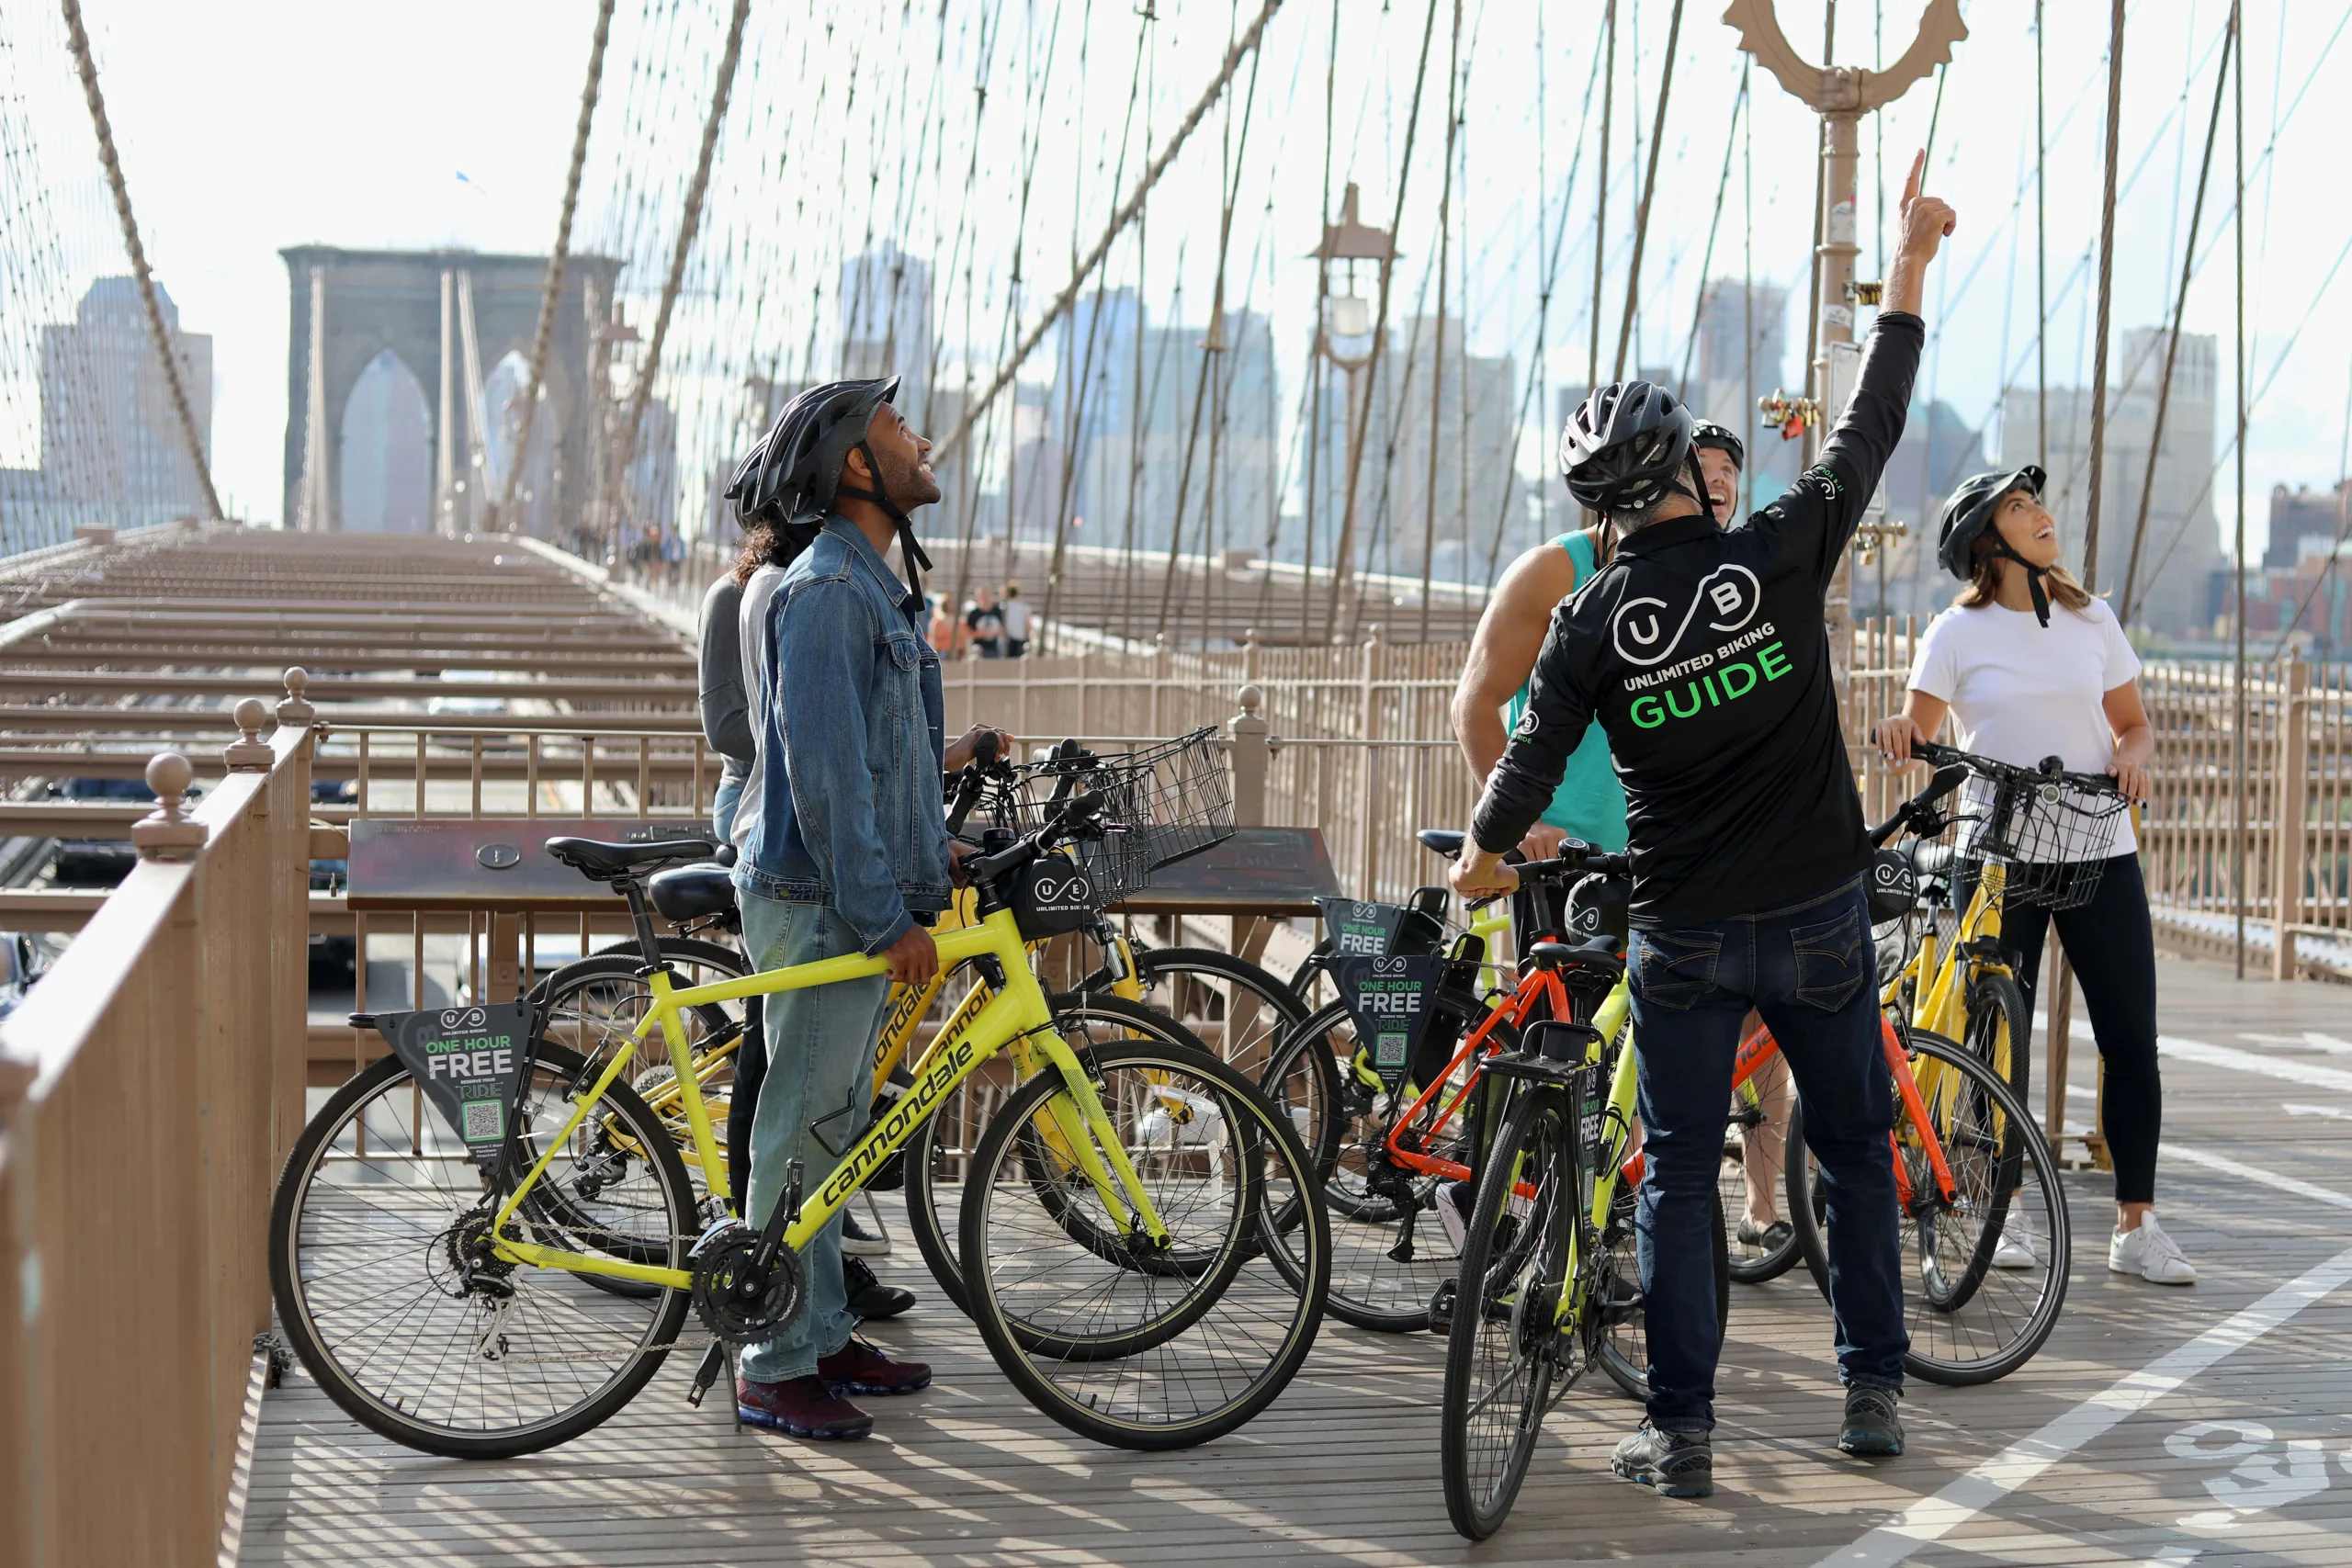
x,y
2310,1073
2023,1462
2254,1173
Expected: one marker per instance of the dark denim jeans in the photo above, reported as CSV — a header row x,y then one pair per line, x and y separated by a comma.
x,y
1809,969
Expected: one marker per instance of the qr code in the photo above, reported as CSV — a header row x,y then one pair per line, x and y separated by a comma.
x,y
483,1124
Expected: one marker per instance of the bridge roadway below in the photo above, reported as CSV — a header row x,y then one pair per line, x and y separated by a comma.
x,y
2207,1425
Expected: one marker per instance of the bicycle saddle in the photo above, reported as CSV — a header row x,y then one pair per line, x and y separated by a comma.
x,y
690,892
1599,956
1446,842
601,862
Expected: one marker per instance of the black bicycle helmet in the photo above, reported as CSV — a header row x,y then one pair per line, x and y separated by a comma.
x,y
1625,448
1968,515
1707,433
793,476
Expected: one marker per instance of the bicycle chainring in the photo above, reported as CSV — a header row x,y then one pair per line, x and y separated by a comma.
x,y
732,1305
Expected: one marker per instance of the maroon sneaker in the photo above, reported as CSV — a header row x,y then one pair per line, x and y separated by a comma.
x,y
859,1368
806,1407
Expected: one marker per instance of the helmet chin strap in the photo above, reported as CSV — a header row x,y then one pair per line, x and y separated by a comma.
x,y
910,550
1698,480
2033,576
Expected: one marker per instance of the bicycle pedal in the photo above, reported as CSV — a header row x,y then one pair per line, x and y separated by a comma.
x,y
714,1361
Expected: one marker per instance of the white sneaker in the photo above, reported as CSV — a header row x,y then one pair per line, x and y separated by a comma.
x,y
2015,1249
1453,1200
2151,1254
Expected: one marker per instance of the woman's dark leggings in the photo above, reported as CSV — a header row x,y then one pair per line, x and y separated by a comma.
x,y
2113,950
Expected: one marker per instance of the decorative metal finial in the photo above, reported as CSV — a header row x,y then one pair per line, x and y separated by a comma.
x,y
252,754
166,835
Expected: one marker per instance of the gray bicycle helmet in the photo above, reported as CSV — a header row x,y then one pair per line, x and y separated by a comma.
x,y
1625,448
1968,517
793,476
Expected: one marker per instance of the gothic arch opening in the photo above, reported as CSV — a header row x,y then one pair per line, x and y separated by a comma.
x,y
387,452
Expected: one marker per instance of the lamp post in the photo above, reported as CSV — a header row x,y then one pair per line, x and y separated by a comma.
x,y
1840,94
1348,318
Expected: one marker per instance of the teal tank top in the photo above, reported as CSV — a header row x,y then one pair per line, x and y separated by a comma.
x,y
1590,801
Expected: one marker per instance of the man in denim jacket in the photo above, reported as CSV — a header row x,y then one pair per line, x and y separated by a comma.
x,y
847,850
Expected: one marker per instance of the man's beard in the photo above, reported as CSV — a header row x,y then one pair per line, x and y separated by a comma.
x,y
907,485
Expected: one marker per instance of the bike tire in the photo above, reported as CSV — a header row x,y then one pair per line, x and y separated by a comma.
x,y
1045,1331
2002,1164
937,1231
326,1352
1204,988
2000,1029
1501,1354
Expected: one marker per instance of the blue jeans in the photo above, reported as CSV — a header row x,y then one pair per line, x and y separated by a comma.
x,y
813,1104
722,808
1810,970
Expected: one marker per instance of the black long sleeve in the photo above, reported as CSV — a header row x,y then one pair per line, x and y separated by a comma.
x,y
1705,655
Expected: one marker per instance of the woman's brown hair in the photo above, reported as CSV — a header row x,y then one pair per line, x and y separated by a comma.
x,y
1984,578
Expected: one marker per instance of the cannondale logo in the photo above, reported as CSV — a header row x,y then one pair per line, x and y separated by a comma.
x,y
454,1019
1730,594
1075,889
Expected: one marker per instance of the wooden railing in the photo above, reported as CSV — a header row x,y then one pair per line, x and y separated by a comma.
x,y
149,1086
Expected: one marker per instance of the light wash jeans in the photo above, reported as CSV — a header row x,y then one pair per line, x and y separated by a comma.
x,y
722,808
813,1104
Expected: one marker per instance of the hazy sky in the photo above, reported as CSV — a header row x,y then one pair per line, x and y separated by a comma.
x,y
249,127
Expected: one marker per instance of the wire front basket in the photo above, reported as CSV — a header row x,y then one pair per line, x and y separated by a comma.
x,y
1162,803
2053,836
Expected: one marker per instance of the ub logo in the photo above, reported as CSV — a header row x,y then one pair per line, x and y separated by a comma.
x,y
463,1018
1730,594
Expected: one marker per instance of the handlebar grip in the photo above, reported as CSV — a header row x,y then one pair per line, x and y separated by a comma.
x,y
984,750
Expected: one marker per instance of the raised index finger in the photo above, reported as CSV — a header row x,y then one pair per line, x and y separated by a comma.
x,y
1911,182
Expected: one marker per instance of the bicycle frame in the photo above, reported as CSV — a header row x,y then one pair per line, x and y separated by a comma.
x,y
1015,1017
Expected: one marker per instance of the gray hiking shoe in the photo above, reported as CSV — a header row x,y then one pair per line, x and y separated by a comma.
x,y
1679,1464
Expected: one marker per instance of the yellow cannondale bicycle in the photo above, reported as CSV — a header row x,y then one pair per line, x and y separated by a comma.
x,y
1142,1241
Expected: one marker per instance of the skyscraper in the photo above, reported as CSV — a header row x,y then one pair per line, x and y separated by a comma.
x,y
110,442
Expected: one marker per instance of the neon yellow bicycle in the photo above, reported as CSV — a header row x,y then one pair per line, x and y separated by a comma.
x,y
1142,1241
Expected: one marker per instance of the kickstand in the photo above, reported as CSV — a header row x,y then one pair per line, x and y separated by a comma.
x,y
734,1381
874,1211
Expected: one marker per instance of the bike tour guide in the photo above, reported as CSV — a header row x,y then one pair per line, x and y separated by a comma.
x,y
845,849
1705,655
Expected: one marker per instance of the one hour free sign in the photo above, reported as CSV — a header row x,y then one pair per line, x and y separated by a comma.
x,y
469,1061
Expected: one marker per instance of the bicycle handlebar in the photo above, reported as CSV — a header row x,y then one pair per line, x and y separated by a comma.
x,y
990,868
1920,808
1574,860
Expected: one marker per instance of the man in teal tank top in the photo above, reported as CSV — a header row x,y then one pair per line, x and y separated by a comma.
x,y
1590,804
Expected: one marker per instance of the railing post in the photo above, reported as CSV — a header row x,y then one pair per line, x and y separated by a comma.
x,y
249,753
293,708
1250,758
2290,843
166,835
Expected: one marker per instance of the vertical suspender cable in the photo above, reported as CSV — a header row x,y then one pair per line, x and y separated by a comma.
x,y
1707,256
162,339
623,444
519,421
2105,288
1746,275
1600,208
1318,368
1437,358
2237,614
2172,341
2041,259
1360,419
1650,188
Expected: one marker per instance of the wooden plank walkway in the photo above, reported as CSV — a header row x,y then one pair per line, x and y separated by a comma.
x,y
2208,1425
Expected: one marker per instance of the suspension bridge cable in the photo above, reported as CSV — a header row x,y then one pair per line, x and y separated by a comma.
x,y
1707,257
519,420
1242,49
2106,297
1436,355
1650,189
157,333
1600,207
2172,339
2237,728
1359,424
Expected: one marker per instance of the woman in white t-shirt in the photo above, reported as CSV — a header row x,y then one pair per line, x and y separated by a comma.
x,y
2030,666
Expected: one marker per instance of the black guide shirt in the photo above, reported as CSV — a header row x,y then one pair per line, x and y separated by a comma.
x,y
1705,656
